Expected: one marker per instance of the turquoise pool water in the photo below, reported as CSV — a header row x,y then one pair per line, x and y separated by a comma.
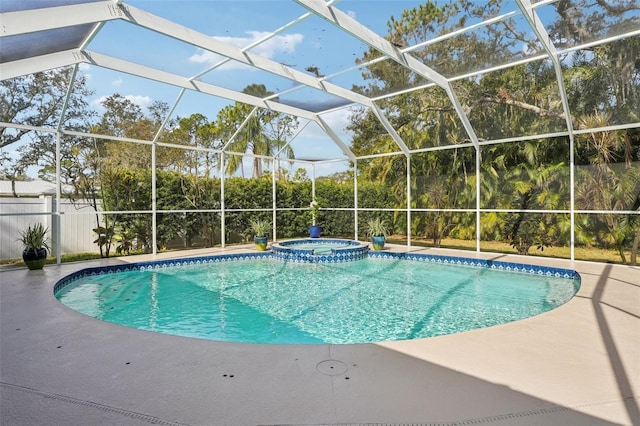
x,y
271,301
317,248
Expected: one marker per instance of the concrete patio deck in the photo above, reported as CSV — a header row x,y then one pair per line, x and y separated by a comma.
x,y
576,365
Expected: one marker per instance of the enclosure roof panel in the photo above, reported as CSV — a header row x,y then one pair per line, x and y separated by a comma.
x,y
29,29
316,56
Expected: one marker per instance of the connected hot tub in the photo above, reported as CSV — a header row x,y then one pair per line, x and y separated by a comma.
x,y
320,250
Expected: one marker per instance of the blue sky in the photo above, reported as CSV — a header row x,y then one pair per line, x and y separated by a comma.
x,y
311,43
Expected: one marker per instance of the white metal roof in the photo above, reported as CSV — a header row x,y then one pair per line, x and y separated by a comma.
x,y
42,35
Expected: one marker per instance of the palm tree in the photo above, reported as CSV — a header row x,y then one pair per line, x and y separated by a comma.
x,y
261,132
608,185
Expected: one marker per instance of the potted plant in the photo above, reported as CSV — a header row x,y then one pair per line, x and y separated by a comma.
x,y
35,246
314,229
377,230
260,229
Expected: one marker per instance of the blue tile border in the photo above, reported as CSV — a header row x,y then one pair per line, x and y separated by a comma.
x,y
157,264
342,241
306,256
482,263
350,251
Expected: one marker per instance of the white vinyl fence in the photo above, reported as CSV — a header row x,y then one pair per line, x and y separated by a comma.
x,y
76,229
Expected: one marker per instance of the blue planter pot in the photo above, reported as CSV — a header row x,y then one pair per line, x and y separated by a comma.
x,y
378,242
261,243
314,231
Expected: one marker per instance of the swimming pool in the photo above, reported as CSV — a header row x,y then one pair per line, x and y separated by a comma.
x,y
260,299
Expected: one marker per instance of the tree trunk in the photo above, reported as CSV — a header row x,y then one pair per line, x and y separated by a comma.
x,y
257,170
634,248
435,231
621,252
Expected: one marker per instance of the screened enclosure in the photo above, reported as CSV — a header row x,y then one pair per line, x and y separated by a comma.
x,y
489,125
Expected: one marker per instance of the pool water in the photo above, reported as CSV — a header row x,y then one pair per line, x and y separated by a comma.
x,y
317,248
271,301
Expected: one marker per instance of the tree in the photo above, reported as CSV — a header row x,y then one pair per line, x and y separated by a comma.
x,y
85,162
515,101
125,119
300,175
196,131
37,100
264,133
115,176
609,181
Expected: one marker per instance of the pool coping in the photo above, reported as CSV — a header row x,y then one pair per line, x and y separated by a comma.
x,y
577,364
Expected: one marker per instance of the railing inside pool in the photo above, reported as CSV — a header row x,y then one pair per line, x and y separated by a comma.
x,y
327,250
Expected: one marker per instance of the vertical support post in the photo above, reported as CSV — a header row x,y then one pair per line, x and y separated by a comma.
x,y
222,218
56,216
274,198
154,194
478,230
355,199
48,210
409,200
572,192
57,213
313,181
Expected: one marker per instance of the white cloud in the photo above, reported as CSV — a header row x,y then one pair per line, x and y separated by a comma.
x,y
268,49
277,44
117,83
313,142
97,103
338,121
85,69
204,57
141,101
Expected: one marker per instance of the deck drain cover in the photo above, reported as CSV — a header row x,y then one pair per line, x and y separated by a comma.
x,y
332,367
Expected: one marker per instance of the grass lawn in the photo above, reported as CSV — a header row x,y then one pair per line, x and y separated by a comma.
x,y
75,257
581,253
